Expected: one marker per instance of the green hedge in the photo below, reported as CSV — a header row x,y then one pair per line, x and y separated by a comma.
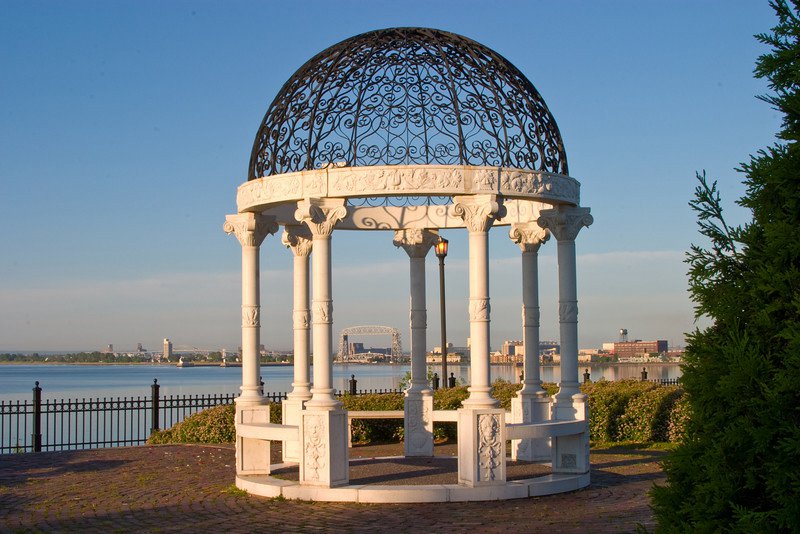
x,y
626,410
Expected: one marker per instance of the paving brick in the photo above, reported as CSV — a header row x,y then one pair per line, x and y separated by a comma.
x,y
188,488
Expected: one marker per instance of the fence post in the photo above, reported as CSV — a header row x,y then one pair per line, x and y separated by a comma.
x,y
451,382
353,383
587,376
154,414
435,381
37,418
644,374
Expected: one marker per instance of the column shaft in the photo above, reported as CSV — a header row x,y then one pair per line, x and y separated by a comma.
x,y
251,325
419,380
480,377
300,384
322,309
532,382
568,319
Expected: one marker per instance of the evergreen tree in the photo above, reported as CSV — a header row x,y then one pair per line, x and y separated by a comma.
x,y
739,467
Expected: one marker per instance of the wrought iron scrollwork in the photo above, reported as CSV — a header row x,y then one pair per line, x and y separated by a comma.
x,y
407,96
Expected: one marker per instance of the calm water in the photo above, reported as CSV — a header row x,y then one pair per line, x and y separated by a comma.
x,y
92,381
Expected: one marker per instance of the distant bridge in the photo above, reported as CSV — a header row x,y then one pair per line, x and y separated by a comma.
x,y
344,354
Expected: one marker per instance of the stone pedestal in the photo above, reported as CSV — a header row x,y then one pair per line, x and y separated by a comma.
x,y
252,455
481,447
530,409
418,425
325,460
571,453
292,408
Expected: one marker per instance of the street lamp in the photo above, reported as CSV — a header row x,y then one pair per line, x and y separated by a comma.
x,y
441,253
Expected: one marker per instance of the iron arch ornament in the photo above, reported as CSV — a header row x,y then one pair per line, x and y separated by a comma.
x,y
407,96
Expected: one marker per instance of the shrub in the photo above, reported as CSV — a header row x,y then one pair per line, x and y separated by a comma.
x,y
214,425
678,419
503,391
375,430
608,402
647,415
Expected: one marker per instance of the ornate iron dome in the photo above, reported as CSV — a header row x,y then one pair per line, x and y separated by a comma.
x,y
407,96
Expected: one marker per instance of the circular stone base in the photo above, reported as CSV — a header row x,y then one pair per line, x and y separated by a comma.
x,y
547,484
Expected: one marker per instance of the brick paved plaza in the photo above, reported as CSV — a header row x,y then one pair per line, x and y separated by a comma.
x,y
189,488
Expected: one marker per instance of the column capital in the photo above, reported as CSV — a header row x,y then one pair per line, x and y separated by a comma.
x,y
250,228
565,222
479,211
529,236
321,215
298,238
415,241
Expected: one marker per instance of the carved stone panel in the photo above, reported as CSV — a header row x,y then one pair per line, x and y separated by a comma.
x,y
490,447
315,455
251,316
479,309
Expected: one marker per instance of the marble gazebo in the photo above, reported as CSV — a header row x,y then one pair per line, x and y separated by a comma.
x,y
409,131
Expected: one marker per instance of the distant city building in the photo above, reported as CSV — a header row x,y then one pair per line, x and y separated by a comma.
x,y
139,348
512,348
167,348
109,348
632,349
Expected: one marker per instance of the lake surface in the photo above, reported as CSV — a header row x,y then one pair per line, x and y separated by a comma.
x,y
97,381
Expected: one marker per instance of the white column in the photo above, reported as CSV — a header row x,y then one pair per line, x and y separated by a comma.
x,y
250,229
531,404
418,402
478,213
323,426
565,223
481,424
298,239
320,216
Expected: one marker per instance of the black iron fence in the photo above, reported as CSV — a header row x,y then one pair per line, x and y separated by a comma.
x,y
57,425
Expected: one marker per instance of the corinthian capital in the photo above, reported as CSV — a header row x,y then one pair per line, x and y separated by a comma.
x,y
415,241
298,238
565,222
321,215
529,236
478,211
250,228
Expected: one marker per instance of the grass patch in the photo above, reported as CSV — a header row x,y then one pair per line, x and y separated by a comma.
x,y
233,490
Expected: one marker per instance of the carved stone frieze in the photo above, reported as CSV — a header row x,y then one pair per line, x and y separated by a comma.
x,y
565,222
490,446
415,241
323,312
479,309
298,238
251,316
250,228
528,236
478,212
530,316
300,319
321,216
417,180
568,311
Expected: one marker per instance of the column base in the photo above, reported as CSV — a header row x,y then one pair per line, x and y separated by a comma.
x,y
527,408
251,396
571,453
563,406
481,447
292,408
418,423
324,454
252,455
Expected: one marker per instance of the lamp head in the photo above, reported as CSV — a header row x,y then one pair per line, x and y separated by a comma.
x,y
441,247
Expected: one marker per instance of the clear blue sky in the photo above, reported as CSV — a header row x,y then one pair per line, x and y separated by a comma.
x,y
126,126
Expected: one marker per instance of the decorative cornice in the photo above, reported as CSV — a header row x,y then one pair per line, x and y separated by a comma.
x,y
565,222
416,242
321,215
250,228
479,211
298,238
528,236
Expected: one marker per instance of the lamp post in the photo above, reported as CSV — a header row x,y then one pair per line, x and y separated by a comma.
x,y
441,253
